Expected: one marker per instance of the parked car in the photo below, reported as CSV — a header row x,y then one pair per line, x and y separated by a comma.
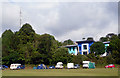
x,y
21,67
4,66
70,65
77,66
110,66
17,66
59,65
51,67
86,64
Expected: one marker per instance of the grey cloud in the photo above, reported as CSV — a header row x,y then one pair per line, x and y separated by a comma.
x,y
67,20
74,16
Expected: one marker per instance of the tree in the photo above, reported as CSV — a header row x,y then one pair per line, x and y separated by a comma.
x,y
98,48
109,36
103,39
68,42
61,54
90,39
79,59
26,34
7,42
46,46
119,35
114,48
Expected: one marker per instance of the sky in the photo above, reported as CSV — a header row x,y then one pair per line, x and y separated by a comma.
x,y
64,20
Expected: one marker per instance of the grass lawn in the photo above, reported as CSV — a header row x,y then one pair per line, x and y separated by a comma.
x,y
62,72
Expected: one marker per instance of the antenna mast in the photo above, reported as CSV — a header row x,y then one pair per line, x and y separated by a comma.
x,y
20,18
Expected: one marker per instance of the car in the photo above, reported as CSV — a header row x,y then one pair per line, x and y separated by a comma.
x,y
110,66
86,64
59,65
4,66
14,66
51,67
70,65
77,66
21,67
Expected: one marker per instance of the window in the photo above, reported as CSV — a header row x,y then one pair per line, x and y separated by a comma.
x,y
79,48
73,48
84,53
70,48
84,47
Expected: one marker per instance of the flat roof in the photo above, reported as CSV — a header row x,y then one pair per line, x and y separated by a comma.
x,y
70,46
106,42
85,41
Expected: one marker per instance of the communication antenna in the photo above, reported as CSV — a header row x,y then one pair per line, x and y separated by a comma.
x,y
20,18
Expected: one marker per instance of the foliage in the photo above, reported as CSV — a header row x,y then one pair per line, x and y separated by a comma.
x,y
79,58
61,55
67,42
90,39
98,48
114,48
103,39
7,42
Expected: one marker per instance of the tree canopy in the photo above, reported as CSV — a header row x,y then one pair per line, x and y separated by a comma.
x,y
98,48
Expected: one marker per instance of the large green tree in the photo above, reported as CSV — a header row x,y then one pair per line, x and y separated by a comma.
x,y
114,48
98,48
7,42
46,46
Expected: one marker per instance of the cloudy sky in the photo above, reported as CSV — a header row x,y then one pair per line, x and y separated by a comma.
x,y
64,20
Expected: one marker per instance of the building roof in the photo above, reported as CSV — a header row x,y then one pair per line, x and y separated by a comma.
x,y
107,42
86,41
70,46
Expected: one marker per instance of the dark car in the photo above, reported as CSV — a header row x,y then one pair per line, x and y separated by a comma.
x,y
77,66
21,67
4,66
51,67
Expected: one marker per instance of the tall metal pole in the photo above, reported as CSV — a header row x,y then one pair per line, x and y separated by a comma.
x,y
20,18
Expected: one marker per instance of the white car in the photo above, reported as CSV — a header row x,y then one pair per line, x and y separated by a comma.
x,y
14,66
59,65
70,65
86,64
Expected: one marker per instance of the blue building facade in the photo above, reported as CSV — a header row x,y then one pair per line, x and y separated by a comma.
x,y
84,47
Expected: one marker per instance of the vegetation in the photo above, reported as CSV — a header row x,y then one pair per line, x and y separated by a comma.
x,y
98,48
27,47
90,39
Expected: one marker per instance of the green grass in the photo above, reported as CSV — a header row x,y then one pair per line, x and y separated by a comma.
x,y
62,72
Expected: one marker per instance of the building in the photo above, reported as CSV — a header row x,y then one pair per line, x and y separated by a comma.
x,y
81,47
72,49
107,43
84,46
